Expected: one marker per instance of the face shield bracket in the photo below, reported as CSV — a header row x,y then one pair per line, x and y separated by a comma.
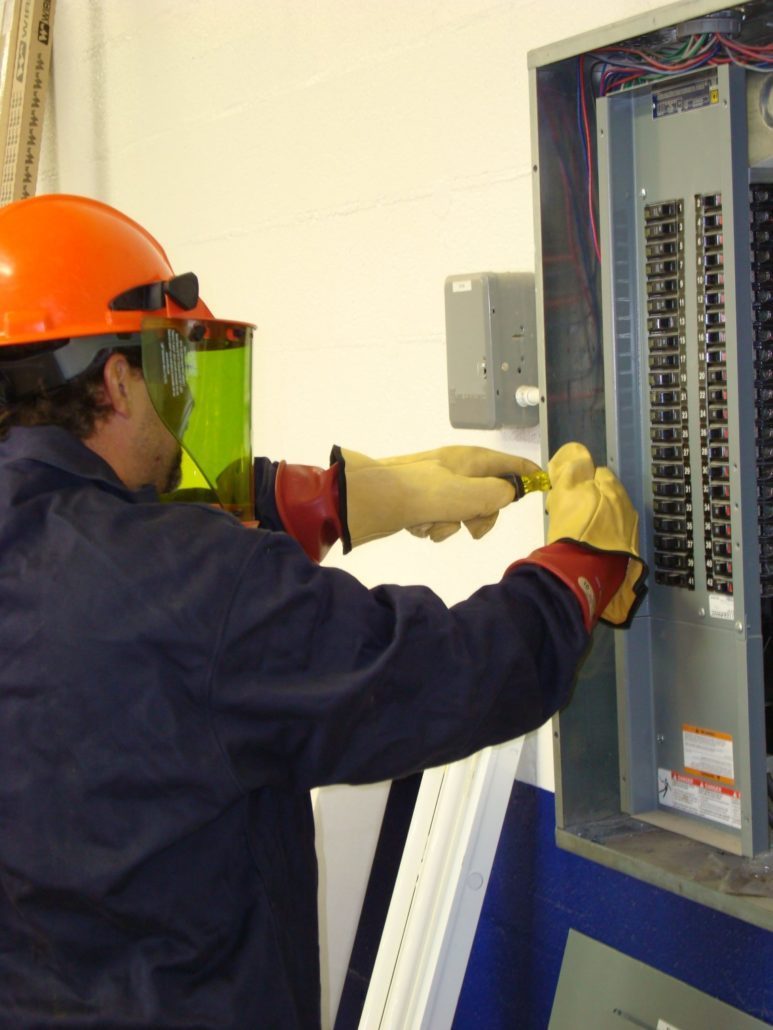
x,y
183,290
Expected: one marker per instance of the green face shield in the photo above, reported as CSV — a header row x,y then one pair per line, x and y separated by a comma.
x,y
199,377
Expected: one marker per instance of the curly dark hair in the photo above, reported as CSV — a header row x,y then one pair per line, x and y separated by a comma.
x,y
76,406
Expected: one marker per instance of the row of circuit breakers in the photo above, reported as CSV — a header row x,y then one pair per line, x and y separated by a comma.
x,y
675,549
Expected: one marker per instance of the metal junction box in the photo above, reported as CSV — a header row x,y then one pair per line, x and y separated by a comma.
x,y
491,347
654,210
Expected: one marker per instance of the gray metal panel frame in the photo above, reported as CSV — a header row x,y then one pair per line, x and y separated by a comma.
x,y
666,859
673,862
622,368
642,159
585,733
626,28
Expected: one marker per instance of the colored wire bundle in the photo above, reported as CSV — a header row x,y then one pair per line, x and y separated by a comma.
x,y
624,67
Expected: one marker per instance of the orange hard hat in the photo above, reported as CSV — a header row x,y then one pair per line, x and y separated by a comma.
x,y
71,266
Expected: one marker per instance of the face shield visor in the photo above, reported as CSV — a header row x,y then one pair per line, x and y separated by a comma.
x,y
199,377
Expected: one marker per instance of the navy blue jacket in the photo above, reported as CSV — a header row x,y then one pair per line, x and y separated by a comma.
x,y
172,684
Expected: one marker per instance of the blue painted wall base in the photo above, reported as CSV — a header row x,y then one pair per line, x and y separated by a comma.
x,y
538,892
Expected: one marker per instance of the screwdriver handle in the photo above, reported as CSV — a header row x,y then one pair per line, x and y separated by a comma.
x,y
528,483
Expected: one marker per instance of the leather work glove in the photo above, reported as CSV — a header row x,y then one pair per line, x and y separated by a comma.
x,y
589,506
430,493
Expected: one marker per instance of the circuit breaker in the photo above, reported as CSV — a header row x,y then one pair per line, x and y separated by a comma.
x,y
655,236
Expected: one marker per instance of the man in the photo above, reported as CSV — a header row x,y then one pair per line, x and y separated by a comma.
x,y
173,682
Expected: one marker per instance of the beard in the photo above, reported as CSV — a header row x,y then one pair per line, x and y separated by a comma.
x,y
174,473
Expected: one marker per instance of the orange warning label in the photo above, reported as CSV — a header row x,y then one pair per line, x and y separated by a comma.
x,y
708,753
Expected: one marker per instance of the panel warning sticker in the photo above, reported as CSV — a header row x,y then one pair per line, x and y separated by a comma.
x,y
699,797
722,606
708,753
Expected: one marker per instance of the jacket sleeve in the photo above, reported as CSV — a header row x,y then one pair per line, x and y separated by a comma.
x,y
304,501
266,511
319,680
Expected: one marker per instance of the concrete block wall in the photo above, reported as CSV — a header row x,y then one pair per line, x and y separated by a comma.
x,y
323,165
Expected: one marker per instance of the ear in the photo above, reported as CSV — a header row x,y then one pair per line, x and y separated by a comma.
x,y
119,380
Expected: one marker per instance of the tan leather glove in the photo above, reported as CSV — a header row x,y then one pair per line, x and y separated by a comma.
x,y
589,506
430,493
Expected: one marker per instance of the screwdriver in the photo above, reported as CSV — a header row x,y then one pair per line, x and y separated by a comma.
x,y
529,483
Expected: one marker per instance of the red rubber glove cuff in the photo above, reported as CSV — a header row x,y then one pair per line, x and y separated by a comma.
x,y
593,576
307,499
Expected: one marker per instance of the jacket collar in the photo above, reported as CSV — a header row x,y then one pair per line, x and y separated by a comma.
x,y
53,446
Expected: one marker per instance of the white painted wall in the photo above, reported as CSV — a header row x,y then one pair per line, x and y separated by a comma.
x,y
323,165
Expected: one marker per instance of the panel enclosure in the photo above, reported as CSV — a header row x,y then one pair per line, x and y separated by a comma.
x,y
652,205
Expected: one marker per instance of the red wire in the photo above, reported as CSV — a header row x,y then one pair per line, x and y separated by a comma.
x,y
699,59
749,51
659,65
586,126
571,231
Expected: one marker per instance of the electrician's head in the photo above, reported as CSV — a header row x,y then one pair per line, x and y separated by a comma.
x,y
84,292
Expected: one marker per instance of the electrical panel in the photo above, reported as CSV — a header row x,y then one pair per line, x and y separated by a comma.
x,y
687,270
655,235
491,347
